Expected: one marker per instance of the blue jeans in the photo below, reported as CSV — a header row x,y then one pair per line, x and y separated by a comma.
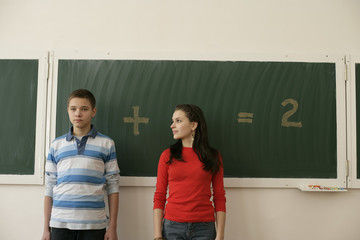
x,y
67,234
188,231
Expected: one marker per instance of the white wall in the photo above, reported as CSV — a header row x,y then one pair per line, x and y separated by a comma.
x,y
194,27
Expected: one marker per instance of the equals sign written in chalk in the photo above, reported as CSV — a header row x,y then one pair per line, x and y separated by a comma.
x,y
245,117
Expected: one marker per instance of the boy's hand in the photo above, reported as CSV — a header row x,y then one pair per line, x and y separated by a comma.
x,y
46,235
111,234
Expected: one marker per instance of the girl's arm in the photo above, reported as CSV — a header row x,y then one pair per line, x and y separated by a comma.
x,y
158,217
219,201
220,225
160,193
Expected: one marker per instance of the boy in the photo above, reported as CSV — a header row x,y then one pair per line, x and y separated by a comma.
x,y
79,166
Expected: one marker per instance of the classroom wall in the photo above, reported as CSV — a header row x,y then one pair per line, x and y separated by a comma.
x,y
154,27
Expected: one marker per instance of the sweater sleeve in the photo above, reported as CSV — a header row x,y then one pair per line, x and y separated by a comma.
x,y
112,171
218,189
50,173
161,181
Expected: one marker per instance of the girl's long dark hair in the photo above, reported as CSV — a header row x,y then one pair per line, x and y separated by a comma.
x,y
209,156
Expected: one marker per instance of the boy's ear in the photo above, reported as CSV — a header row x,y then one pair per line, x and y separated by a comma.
x,y
94,112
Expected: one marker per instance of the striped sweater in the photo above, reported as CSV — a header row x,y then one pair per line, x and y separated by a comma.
x,y
77,172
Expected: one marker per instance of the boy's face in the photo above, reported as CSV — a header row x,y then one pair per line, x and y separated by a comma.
x,y
80,113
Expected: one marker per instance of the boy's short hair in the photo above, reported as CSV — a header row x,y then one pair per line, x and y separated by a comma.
x,y
82,93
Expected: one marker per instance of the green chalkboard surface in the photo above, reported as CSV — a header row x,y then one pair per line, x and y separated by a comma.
x,y
18,96
268,119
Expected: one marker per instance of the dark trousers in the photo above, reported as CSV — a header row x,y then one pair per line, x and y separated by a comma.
x,y
67,234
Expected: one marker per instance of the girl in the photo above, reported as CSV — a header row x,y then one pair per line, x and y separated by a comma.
x,y
188,168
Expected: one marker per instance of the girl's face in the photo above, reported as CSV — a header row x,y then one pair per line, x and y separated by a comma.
x,y
182,128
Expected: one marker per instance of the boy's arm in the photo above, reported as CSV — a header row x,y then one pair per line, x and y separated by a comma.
x,y
111,233
50,182
47,214
112,188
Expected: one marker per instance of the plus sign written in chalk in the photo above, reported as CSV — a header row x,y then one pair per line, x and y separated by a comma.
x,y
136,120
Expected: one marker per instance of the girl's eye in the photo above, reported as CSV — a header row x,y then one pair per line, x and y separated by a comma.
x,y
176,121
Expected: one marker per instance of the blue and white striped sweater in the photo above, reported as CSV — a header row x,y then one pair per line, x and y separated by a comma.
x,y
77,172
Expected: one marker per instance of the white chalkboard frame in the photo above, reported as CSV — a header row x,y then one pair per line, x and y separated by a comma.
x,y
39,157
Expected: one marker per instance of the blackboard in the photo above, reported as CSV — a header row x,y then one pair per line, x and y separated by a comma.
x,y
18,97
268,119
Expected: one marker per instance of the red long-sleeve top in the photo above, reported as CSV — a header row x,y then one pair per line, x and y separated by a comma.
x,y
189,184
